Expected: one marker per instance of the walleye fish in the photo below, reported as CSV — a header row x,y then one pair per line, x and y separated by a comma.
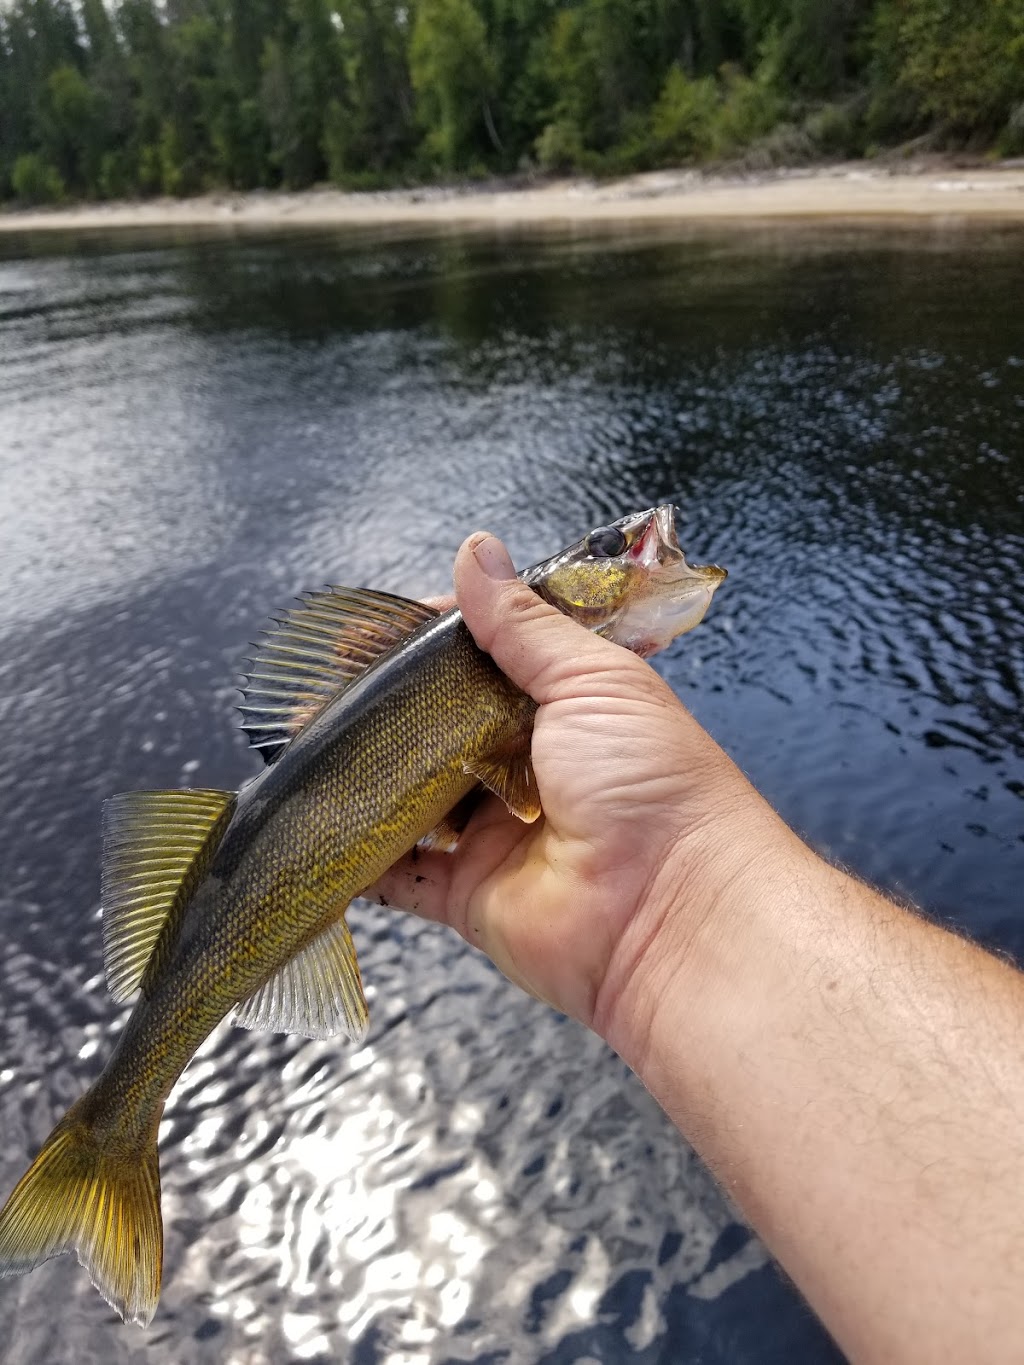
x,y
377,717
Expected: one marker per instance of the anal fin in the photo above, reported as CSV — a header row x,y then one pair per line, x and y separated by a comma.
x,y
317,993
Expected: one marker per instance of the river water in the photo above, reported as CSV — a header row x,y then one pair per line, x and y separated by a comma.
x,y
193,429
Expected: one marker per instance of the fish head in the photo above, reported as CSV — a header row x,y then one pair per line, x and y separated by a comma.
x,y
630,582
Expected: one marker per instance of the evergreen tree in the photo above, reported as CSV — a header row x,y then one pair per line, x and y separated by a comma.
x,y
119,97
371,124
453,74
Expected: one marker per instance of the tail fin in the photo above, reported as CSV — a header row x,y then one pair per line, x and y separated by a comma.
x,y
102,1202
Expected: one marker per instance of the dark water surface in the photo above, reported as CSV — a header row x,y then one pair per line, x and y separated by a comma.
x,y
193,430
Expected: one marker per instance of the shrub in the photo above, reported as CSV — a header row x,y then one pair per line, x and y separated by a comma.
x,y
115,179
559,147
1011,139
683,117
835,130
35,181
963,62
335,141
750,109
172,169
893,114
149,168
785,145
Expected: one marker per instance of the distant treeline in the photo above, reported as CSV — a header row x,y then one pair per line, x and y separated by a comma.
x,y
103,100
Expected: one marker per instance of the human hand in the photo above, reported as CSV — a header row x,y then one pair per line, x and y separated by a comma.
x,y
851,1072
632,791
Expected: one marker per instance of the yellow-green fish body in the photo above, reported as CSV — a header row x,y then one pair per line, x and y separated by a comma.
x,y
350,794
377,717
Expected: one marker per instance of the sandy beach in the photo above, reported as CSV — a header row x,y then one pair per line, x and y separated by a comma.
x,y
850,192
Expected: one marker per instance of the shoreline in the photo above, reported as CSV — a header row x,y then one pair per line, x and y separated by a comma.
x,y
851,191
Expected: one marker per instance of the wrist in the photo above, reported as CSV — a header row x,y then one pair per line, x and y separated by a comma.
x,y
703,962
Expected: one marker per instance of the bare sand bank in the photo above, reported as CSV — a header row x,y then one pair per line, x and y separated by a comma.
x,y
849,192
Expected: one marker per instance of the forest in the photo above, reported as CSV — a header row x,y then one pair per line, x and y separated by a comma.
x,y
105,99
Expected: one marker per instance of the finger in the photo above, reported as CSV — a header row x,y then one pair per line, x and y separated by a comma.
x,y
543,651
423,880
419,882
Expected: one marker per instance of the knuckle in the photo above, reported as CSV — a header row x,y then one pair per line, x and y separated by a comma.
x,y
523,606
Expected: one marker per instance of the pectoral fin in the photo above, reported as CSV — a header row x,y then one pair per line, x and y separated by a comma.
x,y
509,774
157,847
318,993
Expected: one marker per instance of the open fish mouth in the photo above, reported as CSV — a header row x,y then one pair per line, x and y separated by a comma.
x,y
658,547
674,596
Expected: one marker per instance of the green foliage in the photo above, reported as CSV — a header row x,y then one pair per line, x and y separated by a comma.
x,y
596,68
301,72
1011,139
560,147
962,63
105,98
836,131
240,143
150,170
336,141
812,44
453,76
115,180
892,115
71,127
171,160
34,181
750,109
684,117
377,106
284,152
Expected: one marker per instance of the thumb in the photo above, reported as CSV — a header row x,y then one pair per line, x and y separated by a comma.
x,y
543,651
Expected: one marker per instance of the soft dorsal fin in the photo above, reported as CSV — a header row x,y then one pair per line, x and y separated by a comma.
x,y
314,651
317,993
157,847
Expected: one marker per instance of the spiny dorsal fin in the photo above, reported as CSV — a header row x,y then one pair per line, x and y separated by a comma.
x,y
157,847
315,651
509,774
317,993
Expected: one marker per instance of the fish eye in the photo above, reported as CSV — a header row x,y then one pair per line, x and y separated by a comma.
x,y
606,542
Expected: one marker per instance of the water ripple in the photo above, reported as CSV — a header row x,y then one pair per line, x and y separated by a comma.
x,y
194,429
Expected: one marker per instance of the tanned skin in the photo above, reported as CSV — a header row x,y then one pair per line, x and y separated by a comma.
x,y
852,1073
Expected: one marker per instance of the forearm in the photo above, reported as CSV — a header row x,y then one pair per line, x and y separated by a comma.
x,y
855,1077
